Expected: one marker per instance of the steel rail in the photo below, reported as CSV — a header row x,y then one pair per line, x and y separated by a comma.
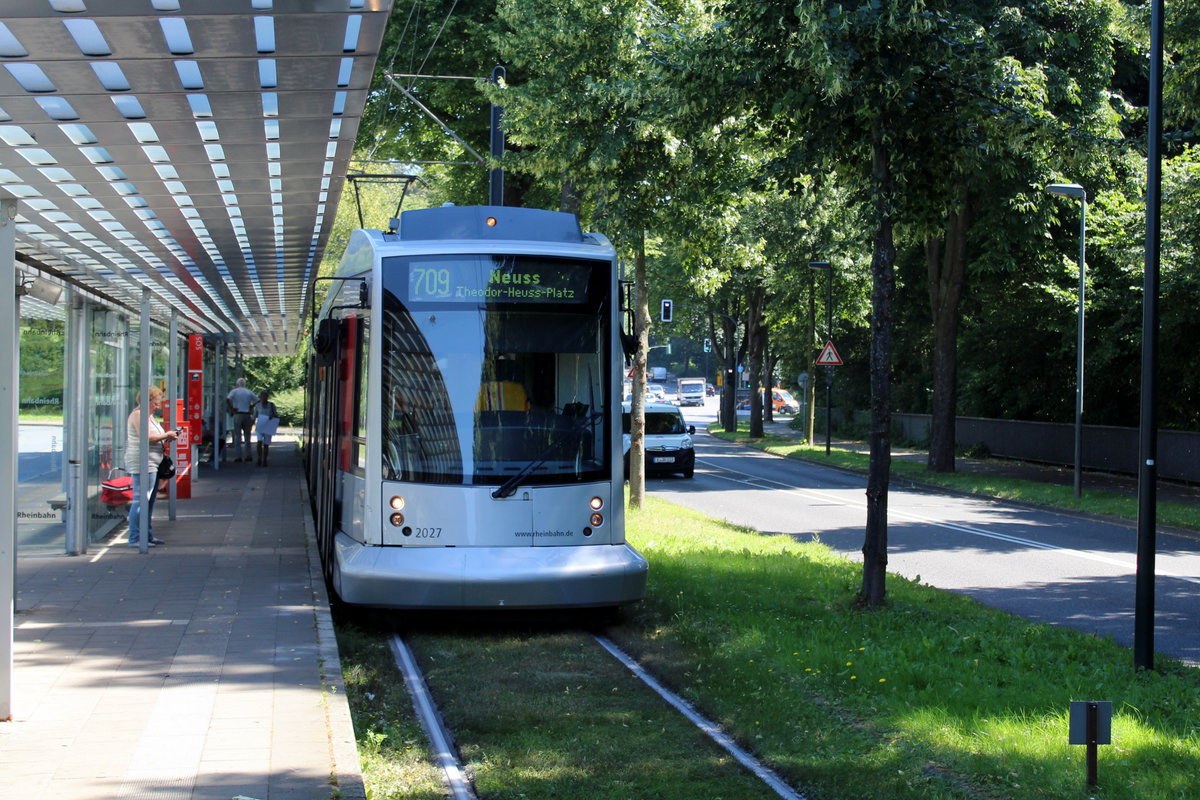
x,y
714,732
445,753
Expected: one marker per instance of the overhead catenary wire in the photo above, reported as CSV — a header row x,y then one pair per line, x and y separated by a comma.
x,y
438,36
387,93
411,22
434,117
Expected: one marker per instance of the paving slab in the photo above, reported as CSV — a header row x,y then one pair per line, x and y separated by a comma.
x,y
203,669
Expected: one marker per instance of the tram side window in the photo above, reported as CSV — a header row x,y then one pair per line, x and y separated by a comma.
x,y
420,440
360,397
352,412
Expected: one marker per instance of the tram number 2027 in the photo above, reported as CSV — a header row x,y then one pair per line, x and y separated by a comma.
x,y
426,533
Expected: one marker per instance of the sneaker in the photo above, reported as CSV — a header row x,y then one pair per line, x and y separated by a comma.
x,y
151,543
155,540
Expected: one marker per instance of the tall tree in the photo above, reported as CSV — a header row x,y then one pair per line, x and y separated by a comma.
x,y
588,109
883,93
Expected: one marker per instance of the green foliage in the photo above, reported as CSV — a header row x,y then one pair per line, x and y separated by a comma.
x,y
290,405
43,366
738,135
275,374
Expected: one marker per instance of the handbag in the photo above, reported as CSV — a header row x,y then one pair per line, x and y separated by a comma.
x,y
166,469
116,491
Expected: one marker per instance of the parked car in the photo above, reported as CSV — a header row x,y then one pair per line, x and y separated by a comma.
x,y
781,401
669,443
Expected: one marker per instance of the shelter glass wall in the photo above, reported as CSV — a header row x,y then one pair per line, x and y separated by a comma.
x,y
108,344
40,432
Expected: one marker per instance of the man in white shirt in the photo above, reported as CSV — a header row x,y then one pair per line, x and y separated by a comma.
x,y
241,402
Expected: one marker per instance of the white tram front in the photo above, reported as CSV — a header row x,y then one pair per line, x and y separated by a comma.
x,y
463,442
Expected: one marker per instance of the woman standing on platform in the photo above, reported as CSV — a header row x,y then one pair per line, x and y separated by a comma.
x,y
158,440
265,425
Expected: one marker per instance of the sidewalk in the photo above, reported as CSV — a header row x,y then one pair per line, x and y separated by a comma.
x,y
203,670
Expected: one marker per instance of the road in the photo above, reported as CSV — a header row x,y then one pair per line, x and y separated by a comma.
x,y
1043,565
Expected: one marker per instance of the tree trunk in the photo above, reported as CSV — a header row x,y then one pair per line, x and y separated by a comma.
x,y
810,403
637,421
883,261
568,199
728,353
770,359
946,262
754,340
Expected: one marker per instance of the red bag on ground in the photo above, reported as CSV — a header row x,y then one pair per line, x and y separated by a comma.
x,y
116,491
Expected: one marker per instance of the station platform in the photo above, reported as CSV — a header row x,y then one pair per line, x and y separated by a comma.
x,y
204,669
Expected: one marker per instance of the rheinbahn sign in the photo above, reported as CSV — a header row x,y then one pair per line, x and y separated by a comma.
x,y
829,356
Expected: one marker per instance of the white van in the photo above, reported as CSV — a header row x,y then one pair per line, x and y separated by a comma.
x,y
669,444
691,391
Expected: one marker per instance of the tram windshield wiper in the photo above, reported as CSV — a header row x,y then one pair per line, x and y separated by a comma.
x,y
509,487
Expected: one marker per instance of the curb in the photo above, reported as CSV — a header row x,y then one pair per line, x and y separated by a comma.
x,y
345,769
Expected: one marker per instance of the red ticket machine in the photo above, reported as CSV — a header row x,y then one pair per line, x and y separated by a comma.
x,y
183,464
193,425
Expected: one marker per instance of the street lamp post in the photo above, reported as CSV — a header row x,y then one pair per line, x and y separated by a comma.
x,y
827,267
1077,191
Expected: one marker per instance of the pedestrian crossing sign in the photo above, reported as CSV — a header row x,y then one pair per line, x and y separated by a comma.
x,y
829,356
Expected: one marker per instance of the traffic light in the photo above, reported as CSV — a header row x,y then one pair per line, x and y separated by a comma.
x,y
667,310
708,345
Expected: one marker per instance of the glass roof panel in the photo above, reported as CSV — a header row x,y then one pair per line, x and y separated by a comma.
x,y
15,136
189,74
10,46
264,34
111,76
196,241
57,108
31,77
87,36
175,31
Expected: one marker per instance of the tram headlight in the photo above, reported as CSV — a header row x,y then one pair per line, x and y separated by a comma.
x,y
397,503
490,222
397,519
597,519
596,503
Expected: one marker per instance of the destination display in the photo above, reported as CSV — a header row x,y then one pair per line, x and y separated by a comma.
x,y
473,281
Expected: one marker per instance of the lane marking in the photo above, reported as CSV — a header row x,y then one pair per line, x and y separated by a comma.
x,y
828,499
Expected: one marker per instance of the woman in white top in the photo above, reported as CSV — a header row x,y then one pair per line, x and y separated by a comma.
x,y
158,440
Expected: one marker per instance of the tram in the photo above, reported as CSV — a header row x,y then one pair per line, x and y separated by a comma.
x,y
463,422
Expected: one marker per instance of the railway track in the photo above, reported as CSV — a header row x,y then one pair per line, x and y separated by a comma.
x,y
457,777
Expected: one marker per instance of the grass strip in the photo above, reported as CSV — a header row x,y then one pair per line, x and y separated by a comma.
x,y
1093,501
392,748
547,713
933,696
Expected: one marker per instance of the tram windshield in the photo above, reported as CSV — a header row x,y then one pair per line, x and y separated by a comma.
x,y
494,366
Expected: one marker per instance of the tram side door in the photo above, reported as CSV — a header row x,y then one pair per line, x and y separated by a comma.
x,y
326,451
